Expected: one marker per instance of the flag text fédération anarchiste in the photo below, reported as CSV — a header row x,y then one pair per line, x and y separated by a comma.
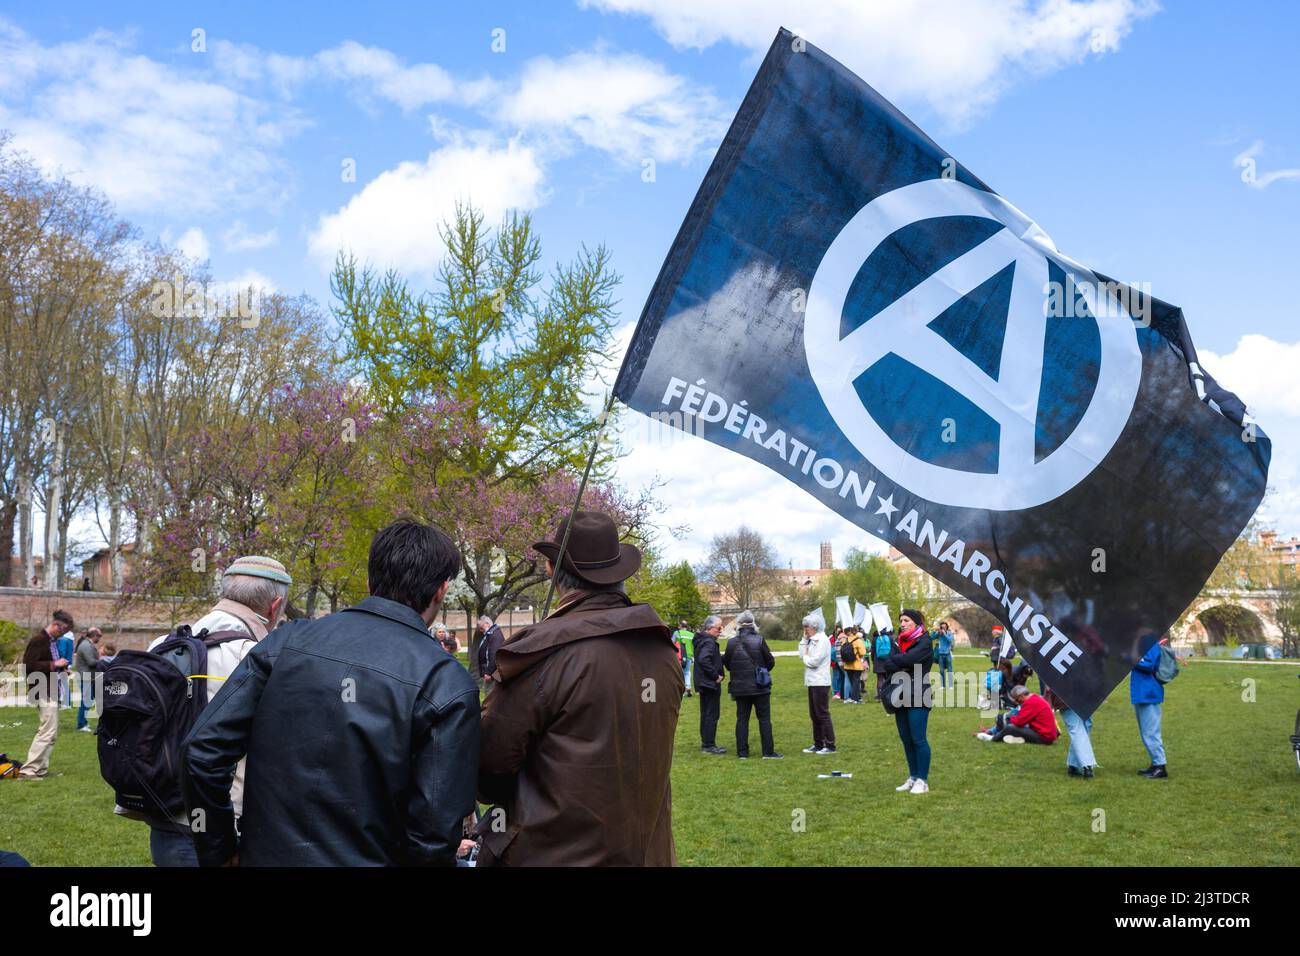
x,y
692,400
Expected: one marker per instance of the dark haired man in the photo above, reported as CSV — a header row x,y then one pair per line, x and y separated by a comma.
x,y
578,733
361,732
44,664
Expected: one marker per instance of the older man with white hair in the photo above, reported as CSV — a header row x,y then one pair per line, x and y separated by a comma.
x,y
815,651
254,590
489,644
708,681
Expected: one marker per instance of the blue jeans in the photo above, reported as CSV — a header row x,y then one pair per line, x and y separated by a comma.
x,y
1149,727
172,848
87,684
945,666
837,682
1080,732
688,666
912,722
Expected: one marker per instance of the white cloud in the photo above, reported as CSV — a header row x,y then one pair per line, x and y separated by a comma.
x,y
238,238
151,136
194,244
1262,373
394,220
623,104
373,71
248,279
956,56
709,490
1245,160
619,103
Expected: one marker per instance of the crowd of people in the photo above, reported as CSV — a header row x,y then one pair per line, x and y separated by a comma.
x,y
1027,717
359,738
833,669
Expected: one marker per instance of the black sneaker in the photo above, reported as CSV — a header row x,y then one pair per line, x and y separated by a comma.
x,y
715,750
1087,773
774,755
1074,771
1147,772
1157,772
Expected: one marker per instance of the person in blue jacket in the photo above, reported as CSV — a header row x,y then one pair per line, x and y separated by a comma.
x,y
1147,695
943,654
67,648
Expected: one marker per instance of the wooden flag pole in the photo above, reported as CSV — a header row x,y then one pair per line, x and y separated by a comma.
x,y
582,486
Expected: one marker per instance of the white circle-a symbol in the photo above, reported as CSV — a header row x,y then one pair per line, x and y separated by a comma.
x,y
1011,398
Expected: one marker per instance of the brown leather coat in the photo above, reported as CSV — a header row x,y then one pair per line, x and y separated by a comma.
x,y
576,744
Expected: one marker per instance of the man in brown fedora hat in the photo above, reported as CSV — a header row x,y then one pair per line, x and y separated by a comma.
x,y
577,736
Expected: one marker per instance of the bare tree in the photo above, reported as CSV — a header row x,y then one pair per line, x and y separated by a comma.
x,y
1286,608
743,563
57,242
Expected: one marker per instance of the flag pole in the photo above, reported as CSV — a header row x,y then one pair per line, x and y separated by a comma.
x,y
582,486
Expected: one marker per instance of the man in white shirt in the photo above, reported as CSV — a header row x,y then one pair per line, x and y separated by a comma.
x,y
815,650
254,590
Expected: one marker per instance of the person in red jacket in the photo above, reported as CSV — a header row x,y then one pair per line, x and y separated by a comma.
x,y
1032,722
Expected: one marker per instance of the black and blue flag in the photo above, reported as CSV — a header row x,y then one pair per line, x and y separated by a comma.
x,y
850,306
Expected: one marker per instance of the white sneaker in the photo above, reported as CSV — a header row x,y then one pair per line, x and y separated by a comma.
x,y
920,787
810,750
1013,740
907,785
983,736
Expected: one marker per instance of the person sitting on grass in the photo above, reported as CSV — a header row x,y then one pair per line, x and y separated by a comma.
x,y
1032,721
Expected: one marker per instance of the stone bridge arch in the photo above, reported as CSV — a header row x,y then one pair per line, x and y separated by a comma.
x,y
971,625
1217,618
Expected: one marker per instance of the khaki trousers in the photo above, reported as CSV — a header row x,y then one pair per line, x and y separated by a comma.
x,y
38,757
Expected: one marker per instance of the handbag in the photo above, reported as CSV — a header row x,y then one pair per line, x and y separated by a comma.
x,y
762,676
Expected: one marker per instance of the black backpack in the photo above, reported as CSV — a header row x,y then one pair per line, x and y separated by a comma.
x,y
151,699
847,654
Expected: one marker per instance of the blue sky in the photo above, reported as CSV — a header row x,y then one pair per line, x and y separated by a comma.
x,y
1120,127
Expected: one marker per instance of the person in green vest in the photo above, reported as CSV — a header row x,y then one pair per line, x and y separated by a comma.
x,y
685,639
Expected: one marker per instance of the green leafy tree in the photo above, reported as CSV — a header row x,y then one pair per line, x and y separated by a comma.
x,y
1287,609
685,602
13,641
650,585
506,353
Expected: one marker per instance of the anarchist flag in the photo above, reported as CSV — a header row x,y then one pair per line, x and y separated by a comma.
x,y
850,306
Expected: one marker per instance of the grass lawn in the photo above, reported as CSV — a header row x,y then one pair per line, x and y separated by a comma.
x,y
1231,799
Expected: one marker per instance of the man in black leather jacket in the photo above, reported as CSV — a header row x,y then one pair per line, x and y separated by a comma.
x,y
361,732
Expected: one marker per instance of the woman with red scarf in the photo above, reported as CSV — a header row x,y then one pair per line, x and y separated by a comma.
x,y
907,696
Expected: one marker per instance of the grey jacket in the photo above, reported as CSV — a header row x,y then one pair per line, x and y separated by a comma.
x,y
85,657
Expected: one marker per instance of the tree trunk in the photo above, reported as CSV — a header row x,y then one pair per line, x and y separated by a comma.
x,y
25,531
115,537
64,522
310,607
8,515
53,499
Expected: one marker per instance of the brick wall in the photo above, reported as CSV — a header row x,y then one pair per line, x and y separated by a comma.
x,y
140,622
131,626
